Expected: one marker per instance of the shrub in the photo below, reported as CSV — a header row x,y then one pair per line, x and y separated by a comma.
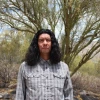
x,y
85,82
7,73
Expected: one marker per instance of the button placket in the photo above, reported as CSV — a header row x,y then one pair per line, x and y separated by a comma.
x,y
46,65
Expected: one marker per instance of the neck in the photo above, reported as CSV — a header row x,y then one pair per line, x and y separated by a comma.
x,y
44,56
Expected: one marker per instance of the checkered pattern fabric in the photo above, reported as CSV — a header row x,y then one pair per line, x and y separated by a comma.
x,y
44,81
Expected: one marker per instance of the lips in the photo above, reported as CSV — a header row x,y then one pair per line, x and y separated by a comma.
x,y
45,48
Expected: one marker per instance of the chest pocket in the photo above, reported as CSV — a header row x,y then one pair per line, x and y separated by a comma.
x,y
59,80
58,84
33,80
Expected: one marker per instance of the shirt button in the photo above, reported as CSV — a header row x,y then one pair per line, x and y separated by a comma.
x,y
46,67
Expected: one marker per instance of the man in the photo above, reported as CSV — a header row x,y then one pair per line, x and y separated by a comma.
x,y
43,76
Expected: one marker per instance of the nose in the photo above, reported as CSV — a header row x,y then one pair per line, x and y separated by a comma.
x,y
45,42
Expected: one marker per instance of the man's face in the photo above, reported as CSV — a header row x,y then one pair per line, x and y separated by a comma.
x,y
44,43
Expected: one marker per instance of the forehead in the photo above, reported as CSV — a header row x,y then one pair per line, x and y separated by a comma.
x,y
44,35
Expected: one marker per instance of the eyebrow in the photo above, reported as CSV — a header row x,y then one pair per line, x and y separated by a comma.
x,y
44,38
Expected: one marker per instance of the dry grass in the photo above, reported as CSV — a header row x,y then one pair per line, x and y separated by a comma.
x,y
86,82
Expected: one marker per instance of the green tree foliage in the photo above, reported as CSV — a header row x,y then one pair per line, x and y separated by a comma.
x,y
25,42
13,46
9,51
97,65
9,46
88,68
75,63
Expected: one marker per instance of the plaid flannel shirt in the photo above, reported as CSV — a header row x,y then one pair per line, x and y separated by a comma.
x,y
44,81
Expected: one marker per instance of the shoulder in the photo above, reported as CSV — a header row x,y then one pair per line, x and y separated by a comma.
x,y
23,65
65,67
63,64
26,68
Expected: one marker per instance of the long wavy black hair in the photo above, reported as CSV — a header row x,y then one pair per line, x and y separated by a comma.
x,y
33,54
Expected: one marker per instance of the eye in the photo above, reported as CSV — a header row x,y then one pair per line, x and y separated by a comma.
x,y
48,40
41,40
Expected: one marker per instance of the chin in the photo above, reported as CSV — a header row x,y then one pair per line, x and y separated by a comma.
x,y
45,52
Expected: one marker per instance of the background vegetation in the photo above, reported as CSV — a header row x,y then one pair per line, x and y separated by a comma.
x,y
76,24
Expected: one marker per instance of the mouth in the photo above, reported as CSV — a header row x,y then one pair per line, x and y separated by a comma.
x,y
45,48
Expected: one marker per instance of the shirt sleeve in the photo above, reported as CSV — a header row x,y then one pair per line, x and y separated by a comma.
x,y
20,90
68,89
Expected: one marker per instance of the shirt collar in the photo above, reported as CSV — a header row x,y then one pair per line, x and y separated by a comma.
x,y
42,61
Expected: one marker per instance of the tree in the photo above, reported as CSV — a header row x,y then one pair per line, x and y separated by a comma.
x,y
13,46
9,46
9,56
81,27
28,16
80,23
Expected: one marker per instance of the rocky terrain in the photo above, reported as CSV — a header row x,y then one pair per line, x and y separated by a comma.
x,y
9,94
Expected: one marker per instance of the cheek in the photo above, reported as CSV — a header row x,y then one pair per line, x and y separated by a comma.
x,y
50,44
39,46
